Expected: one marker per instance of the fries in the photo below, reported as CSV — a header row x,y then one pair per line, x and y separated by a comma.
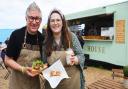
x,y
55,73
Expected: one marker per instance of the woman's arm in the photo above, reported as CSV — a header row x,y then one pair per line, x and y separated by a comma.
x,y
78,50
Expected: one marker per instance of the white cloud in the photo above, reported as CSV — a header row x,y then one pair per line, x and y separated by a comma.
x,y
12,13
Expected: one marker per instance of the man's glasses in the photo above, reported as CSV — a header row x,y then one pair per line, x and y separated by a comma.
x,y
31,19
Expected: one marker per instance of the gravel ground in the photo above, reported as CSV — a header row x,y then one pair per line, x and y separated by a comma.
x,y
3,82
92,74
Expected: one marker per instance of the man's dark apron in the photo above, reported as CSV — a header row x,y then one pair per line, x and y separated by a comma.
x,y
18,80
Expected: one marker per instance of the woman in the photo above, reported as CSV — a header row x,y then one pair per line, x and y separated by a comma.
x,y
58,40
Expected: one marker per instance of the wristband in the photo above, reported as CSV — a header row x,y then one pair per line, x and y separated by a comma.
x,y
23,69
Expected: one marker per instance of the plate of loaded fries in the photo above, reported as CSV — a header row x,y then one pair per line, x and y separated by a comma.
x,y
38,66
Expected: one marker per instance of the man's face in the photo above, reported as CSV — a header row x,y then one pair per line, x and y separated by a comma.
x,y
33,21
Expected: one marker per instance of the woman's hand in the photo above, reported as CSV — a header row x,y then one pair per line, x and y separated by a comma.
x,y
45,66
73,60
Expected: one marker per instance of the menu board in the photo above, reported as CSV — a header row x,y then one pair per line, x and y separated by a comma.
x,y
120,31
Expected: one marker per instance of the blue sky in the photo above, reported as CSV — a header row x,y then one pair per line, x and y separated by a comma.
x,y
12,12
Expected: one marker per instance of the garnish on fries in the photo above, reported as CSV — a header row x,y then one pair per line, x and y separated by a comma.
x,y
38,66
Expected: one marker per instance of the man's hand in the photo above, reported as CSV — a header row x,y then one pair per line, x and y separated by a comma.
x,y
32,72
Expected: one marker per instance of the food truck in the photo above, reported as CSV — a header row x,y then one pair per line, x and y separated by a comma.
x,y
104,31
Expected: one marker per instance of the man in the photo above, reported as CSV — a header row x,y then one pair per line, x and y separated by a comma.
x,y
23,48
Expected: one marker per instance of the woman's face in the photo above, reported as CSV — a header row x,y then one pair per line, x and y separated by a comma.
x,y
56,23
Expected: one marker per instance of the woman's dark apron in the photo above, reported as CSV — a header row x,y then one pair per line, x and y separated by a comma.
x,y
72,71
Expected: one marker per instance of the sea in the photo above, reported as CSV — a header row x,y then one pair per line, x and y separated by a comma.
x,y
5,34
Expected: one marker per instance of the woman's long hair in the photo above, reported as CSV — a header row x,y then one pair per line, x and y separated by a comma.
x,y
65,34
